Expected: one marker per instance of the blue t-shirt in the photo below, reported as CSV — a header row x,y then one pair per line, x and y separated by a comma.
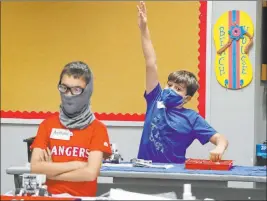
x,y
167,133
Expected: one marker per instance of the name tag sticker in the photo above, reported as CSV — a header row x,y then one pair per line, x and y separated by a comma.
x,y
60,134
160,104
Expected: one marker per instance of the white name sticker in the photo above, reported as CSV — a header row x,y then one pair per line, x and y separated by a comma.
x,y
60,134
160,104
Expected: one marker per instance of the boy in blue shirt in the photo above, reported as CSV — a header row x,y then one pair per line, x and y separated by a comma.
x,y
169,128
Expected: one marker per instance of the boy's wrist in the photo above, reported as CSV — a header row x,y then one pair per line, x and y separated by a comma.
x,y
221,147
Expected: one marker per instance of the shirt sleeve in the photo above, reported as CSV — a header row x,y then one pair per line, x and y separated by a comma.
x,y
202,130
42,138
153,96
100,140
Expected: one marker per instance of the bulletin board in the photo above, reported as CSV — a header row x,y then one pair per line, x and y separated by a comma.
x,y
39,38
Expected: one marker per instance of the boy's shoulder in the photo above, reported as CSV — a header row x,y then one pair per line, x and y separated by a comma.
x,y
51,120
98,124
189,114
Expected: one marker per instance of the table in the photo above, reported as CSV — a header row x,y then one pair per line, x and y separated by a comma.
x,y
205,183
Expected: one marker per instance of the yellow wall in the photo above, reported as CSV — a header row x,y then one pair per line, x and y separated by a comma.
x,y
39,38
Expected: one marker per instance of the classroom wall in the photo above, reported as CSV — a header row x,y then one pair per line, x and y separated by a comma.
x,y
240,114
227,110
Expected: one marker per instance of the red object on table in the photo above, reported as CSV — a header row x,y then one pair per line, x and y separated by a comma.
x,y
200,164
10,198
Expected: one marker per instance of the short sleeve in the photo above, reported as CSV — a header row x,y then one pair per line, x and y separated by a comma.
x,y
100,140
42,139
153,96
202,130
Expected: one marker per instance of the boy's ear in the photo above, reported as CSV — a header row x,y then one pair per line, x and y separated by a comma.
x,y
187,99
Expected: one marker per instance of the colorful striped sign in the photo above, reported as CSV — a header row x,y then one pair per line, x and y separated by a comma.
x,y
233,32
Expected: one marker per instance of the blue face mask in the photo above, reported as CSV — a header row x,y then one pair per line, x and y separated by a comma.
x,y
171,99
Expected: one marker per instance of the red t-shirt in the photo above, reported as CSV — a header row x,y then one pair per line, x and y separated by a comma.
x,y
76,148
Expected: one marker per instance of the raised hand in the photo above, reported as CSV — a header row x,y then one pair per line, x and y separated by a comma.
x,y
142,15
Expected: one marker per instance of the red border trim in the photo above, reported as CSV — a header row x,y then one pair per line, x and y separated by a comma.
x,y
140,117
44,115
202,58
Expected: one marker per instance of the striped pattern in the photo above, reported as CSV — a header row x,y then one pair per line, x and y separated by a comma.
x,y
234,53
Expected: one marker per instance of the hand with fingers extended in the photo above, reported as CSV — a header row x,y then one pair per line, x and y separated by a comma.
x,y
142,16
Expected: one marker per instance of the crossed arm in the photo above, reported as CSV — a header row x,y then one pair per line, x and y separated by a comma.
x,y
41,163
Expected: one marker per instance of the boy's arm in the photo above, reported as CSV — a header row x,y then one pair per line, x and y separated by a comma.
x,y
100,148
205,133
221,145
148,50
40,165
40,162
88,173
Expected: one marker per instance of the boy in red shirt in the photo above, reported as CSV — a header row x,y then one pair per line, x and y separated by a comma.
x,y
69,147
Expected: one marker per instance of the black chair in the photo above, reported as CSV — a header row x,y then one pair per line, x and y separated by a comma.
x,y
29,142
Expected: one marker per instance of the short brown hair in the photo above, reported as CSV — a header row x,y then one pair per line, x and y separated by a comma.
x,y
187,78
77,69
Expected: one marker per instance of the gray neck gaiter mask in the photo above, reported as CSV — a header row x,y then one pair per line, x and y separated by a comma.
x,y
75,112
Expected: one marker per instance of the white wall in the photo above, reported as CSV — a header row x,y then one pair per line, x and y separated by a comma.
x,y
240,114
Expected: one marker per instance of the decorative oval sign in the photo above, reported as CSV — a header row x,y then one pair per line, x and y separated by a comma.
x,y
233,37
